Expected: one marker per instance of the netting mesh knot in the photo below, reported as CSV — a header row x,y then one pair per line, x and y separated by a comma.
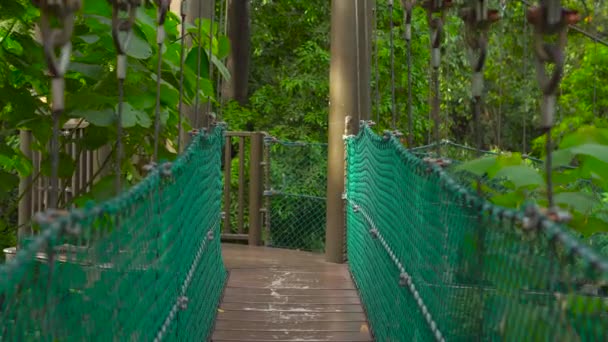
x,y
374,233
182,302
166,169
405,279
210,235
149,167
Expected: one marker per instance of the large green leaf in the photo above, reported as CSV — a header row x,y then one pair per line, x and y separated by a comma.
x,y
478,166
579,201
521,176
593,150
132,117
102,118
139,48
221,68
95,137
67,165
223,47
192,59
8,182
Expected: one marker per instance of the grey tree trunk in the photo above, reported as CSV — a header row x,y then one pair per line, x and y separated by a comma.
x,y
239,32
349,95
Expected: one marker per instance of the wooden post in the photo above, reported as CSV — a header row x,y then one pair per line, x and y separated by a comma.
x,y
343,110
256,189
25,189
227,173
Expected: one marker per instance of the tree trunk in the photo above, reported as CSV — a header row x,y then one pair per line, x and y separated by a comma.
x,y
238,62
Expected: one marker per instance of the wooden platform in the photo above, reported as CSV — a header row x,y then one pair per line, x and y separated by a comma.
x,y
283,295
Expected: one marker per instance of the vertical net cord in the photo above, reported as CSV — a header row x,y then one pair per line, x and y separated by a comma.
x,y
207,120
392,53
199,28
377,64
182,54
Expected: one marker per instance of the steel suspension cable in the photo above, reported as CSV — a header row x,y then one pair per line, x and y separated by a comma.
x,y
182,57
436,13
358,60
392,53
525,71
376,65
199,52
124,25
218,89
477,18
549,20
53,38
163,8
574,27
207,120
407,13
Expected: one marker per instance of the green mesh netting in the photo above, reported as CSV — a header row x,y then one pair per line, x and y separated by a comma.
x,y
139,267
433,261
298,184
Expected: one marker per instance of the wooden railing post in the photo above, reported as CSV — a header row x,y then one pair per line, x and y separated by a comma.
x,y
227,173
255,189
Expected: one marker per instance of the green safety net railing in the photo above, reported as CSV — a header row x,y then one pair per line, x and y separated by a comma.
x,y
145,266
296,192
433,261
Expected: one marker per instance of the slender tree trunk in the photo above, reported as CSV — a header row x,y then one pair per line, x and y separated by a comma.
x,y
349,95
239,32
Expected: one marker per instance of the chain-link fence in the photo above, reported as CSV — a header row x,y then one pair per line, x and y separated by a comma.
x,y
296,185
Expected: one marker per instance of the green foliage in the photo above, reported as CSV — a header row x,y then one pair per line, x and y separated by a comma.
x,y
582,155
91,88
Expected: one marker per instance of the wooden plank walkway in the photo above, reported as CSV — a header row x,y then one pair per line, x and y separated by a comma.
x,y
283,295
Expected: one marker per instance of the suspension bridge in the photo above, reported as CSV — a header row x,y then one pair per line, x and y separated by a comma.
x,y
411,252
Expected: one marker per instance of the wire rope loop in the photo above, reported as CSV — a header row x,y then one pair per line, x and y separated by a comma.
x,y
123,19
57,38
547,23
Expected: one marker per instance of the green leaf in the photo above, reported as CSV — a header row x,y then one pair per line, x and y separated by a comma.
x,y
191,62
8,182
562,158
579,201
513,199
521,176
221,68
89,38
102,118
95,137
100,191
588,225
132,117
88,70
67,165
593,150
585,135
139,48
478,166
223,47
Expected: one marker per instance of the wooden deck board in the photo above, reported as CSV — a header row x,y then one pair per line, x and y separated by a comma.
x,y
284,295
